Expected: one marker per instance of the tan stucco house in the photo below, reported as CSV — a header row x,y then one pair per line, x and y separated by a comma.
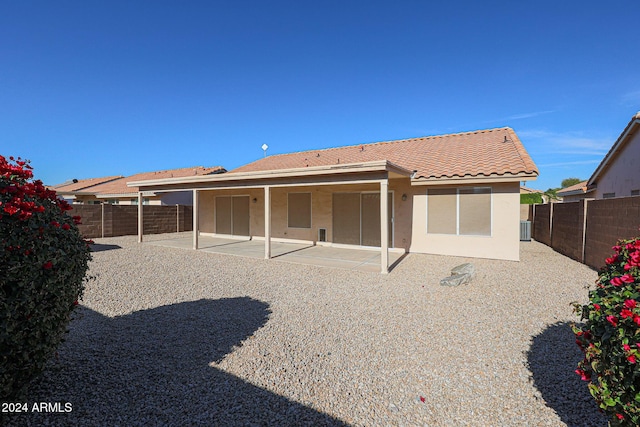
x,y
576,192
114,190
454,194
618,175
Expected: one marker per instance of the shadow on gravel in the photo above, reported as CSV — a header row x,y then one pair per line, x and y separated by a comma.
x,y
98,247
553,358
152,368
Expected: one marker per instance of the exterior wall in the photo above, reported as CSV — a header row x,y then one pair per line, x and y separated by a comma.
x,y
321,210
623,175
526,212
504,242
409,218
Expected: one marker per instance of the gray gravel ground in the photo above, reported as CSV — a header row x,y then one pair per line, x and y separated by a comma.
x,y
174,337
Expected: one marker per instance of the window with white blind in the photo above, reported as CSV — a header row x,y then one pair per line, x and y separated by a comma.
x,y
459,211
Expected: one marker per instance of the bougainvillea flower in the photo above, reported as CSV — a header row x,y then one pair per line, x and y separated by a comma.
x,y
47,265
630,304
617,248
636,319
626,313
611,260
612,319
627,278
422,399
631,359
616,281
626,347
620,416
585,376
596,306
66,226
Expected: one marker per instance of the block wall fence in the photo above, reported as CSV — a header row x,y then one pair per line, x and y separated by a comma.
x,y
586,230
113,220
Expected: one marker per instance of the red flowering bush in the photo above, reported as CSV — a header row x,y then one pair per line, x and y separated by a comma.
x,y
610,336
43,262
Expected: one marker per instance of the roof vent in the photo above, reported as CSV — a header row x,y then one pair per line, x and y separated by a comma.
x,y
75,180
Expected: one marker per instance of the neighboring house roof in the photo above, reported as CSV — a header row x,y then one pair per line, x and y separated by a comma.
x,y
119,187
574,190
617,148
527,190
483,153
80,184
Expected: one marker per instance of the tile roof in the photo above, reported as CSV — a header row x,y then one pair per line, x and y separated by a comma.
x,y
80,184
120,186
469,154
580,187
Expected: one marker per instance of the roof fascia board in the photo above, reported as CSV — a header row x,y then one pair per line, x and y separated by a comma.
x,y
617,146
261,184
352,168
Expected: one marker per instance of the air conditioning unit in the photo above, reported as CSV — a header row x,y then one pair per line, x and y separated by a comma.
x,y
525,231
322,234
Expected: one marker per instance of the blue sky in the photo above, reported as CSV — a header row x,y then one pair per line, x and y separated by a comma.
x,y
92,88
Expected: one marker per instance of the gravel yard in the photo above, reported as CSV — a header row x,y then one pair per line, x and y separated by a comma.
x,y
174,337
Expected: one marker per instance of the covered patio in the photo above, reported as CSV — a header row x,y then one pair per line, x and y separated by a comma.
x,y
299,253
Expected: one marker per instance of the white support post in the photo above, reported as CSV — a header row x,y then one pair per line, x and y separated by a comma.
x,y
267,222
140,219
384,226
177,218
196,225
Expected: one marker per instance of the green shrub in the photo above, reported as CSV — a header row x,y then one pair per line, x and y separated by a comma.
x,y
530,199
610,336
43,262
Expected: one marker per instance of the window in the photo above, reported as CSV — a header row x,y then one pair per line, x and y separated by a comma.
x,y
608,195
635,192
299,210
462,211
145,201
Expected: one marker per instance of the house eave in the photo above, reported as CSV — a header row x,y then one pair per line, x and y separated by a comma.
x,y
351,168
488,179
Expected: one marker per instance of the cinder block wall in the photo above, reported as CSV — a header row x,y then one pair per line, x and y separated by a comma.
x,y
91,219
609,220
123,220
541,223
568,220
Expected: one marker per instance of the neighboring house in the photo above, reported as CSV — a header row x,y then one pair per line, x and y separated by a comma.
x,y
116,191
69,189
576,192
454,194
618,175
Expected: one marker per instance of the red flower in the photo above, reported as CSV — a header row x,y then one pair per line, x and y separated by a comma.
x,y
585,376
626,313
77,220
617,248
626,347
631,359
613,320
596,306
611,260
616,281
55,224
66,226
10,209
47,265
422,399
620,416
627,278
630,304
75,302
636,319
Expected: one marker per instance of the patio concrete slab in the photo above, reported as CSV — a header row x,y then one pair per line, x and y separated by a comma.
x,y
299,253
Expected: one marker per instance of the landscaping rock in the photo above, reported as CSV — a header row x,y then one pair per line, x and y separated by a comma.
x,y
466,268
460,275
